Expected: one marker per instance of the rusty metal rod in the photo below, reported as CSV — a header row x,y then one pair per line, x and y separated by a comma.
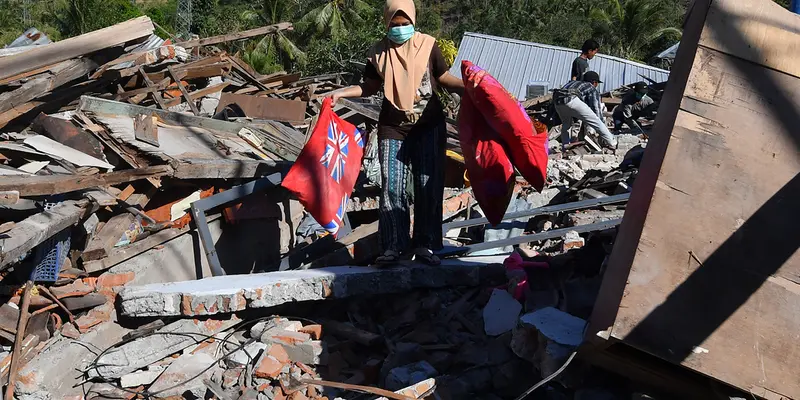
x,y
15,355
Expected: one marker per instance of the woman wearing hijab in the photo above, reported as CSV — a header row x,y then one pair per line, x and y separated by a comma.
x,y
409,68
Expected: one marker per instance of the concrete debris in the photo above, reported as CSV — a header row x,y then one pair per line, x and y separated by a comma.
x,y
501,313
557,326
141,378
235,293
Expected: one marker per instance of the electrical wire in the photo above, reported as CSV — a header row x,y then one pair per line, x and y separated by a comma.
x,y
549,378
94,365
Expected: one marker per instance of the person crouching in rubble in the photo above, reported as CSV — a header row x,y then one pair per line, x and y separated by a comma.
x,y
410,69
581,100
635,105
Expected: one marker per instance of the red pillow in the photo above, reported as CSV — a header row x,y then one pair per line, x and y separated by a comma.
x,y
490,171
528,150
325,173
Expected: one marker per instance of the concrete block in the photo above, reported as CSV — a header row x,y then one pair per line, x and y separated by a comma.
x,y
185,367
144,351
402,377
556,325
501,313
246,355
140,378
231,293
309,353
573,240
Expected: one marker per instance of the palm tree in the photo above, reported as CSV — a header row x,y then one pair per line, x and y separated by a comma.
x,y
277,50
627,27
332,17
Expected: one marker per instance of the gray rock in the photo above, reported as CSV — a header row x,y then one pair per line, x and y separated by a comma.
x,y
501,313
556,325
142,377
180,371
246,355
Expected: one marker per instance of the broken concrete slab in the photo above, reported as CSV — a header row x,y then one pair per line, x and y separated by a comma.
x,y
233,293
501,313
57,369
556,325
147,350
185,367
139,378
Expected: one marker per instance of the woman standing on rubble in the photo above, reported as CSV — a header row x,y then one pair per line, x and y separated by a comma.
x,y
411,132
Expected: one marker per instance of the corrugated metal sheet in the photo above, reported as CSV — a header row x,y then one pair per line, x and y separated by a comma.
x,y
516,63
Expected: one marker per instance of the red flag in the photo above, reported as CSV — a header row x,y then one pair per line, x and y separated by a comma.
x,y
325,173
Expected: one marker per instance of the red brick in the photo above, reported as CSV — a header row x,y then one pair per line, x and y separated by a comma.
x,y
298,396
278,393
314,330
87,322
269,368
290,337
68,330
279,353
230,378
74,289
109,280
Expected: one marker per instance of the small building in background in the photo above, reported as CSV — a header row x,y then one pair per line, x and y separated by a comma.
x,y
518,65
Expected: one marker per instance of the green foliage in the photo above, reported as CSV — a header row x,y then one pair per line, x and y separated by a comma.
x,y
628,27
83,16
333,35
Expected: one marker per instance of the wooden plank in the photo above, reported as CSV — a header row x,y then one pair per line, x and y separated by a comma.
x,y
25,75
55,184
66,133
161,85
762,25
537,101
266,108
155,94
103,241
704,272
286,149
196,72
60,75
75,47
236,36
224,169
200,93
146,129
34,230
185,93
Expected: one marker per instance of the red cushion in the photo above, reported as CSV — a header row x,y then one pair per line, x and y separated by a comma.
x,y
325,173
527,148
491,174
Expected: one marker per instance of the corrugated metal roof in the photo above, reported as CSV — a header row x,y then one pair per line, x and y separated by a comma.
x,y
515,63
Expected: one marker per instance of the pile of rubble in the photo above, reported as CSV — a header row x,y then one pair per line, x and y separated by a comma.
x,y
145,242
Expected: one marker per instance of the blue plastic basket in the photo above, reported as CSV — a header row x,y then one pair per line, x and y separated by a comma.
x,y
50,257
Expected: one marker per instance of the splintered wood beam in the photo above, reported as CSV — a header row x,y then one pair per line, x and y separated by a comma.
x,y
156,96
185,93
75,47
39,185
237,36
34,230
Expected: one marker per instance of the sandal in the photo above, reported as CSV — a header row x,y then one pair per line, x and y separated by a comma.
x,y
427,257
389,257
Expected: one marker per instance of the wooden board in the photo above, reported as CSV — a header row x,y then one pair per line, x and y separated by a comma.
x,y
75,47
56,184
146,129
265,30
265,107
32,231
705,272
38,86
103,241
